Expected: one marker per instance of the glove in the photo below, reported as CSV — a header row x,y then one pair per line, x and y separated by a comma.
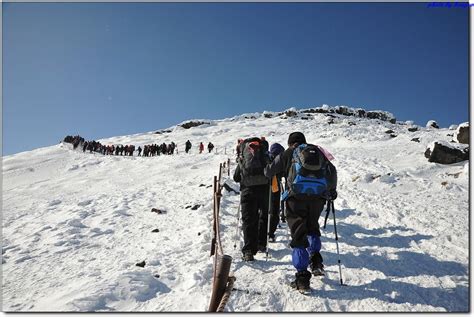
x,y
331,194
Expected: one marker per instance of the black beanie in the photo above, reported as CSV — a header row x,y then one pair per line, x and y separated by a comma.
x,y
296,137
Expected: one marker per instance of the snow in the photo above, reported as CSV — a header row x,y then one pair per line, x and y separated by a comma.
x,y
75,225
431,124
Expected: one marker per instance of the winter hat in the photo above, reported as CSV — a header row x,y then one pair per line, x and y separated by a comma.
x,y
296,137
276,149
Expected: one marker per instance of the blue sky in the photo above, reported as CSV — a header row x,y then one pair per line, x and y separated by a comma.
x,y
107,69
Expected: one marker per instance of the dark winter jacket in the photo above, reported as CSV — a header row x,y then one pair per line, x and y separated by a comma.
x,y
282,164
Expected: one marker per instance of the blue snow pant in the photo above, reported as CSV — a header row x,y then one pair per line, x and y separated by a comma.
x,y
303,221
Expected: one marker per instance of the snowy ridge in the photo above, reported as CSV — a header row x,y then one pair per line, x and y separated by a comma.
x,y
75,224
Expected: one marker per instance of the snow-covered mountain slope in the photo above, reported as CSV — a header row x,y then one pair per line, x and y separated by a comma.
x,y
75,224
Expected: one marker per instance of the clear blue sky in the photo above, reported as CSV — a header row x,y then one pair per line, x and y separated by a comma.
x,y
107,69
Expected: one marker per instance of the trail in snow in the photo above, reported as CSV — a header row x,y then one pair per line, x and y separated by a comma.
x,y
75,224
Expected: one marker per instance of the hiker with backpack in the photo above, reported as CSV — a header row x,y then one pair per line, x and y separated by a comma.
x,y
276,189
210,146
188,146
254,188
311,179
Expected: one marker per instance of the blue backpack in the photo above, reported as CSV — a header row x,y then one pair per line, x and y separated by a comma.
x,y
307,175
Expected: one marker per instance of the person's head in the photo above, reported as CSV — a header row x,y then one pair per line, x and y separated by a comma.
x,y
276,149
262,138
296,138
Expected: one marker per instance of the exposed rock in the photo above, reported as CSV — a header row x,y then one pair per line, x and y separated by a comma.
x,y
393,135
432,124
415,140
445,153
155,230
195,207
389,131
351,123
331,121
141,264
361,113
462,133
192,124
342,110
381,115
290,113
158,211
413,129
268,115
163,131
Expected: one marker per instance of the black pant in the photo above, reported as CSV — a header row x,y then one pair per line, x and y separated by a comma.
x,y
302,217
254,208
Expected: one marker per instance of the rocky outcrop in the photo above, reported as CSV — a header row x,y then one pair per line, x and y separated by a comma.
x,y
444,153
462,133
432,124
192,124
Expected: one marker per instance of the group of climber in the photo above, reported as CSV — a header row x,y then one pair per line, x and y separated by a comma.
x,y
310,182
128,150
188,146
157,149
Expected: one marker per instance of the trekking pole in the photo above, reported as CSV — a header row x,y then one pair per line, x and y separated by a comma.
x,y
328,210
268,215
237,228
337,243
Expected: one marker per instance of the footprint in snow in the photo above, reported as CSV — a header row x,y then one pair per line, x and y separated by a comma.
x,y
54,202
85,202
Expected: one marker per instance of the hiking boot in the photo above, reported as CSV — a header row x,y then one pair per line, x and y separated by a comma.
x,y
247,256
316,264
301,282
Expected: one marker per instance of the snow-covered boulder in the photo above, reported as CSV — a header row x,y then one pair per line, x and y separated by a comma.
x,y
446,153
432,124
292,112
382,115
462,133
453,127
191,124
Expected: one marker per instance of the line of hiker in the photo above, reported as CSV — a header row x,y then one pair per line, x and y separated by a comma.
x,y
310,182
188,146
128,150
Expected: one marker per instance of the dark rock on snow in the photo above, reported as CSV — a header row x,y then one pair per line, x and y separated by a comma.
x,y
462,134
443,153
155,230
141,264
191,124
415,140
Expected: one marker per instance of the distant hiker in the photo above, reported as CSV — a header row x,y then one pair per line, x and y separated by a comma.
x,y
84,146
139,151
275,150
210,146
188,146
310,179
201,147
253,196
265,142
237,149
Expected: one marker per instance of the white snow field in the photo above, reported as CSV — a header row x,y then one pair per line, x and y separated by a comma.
x,y
75,224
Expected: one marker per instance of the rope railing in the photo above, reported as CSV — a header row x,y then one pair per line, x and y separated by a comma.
x,y
222,284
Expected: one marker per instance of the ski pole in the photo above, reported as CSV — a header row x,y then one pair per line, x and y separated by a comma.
x,y
337,243
328,210
237,228
268,215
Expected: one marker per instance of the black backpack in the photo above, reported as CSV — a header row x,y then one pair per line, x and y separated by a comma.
x,y
252,161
